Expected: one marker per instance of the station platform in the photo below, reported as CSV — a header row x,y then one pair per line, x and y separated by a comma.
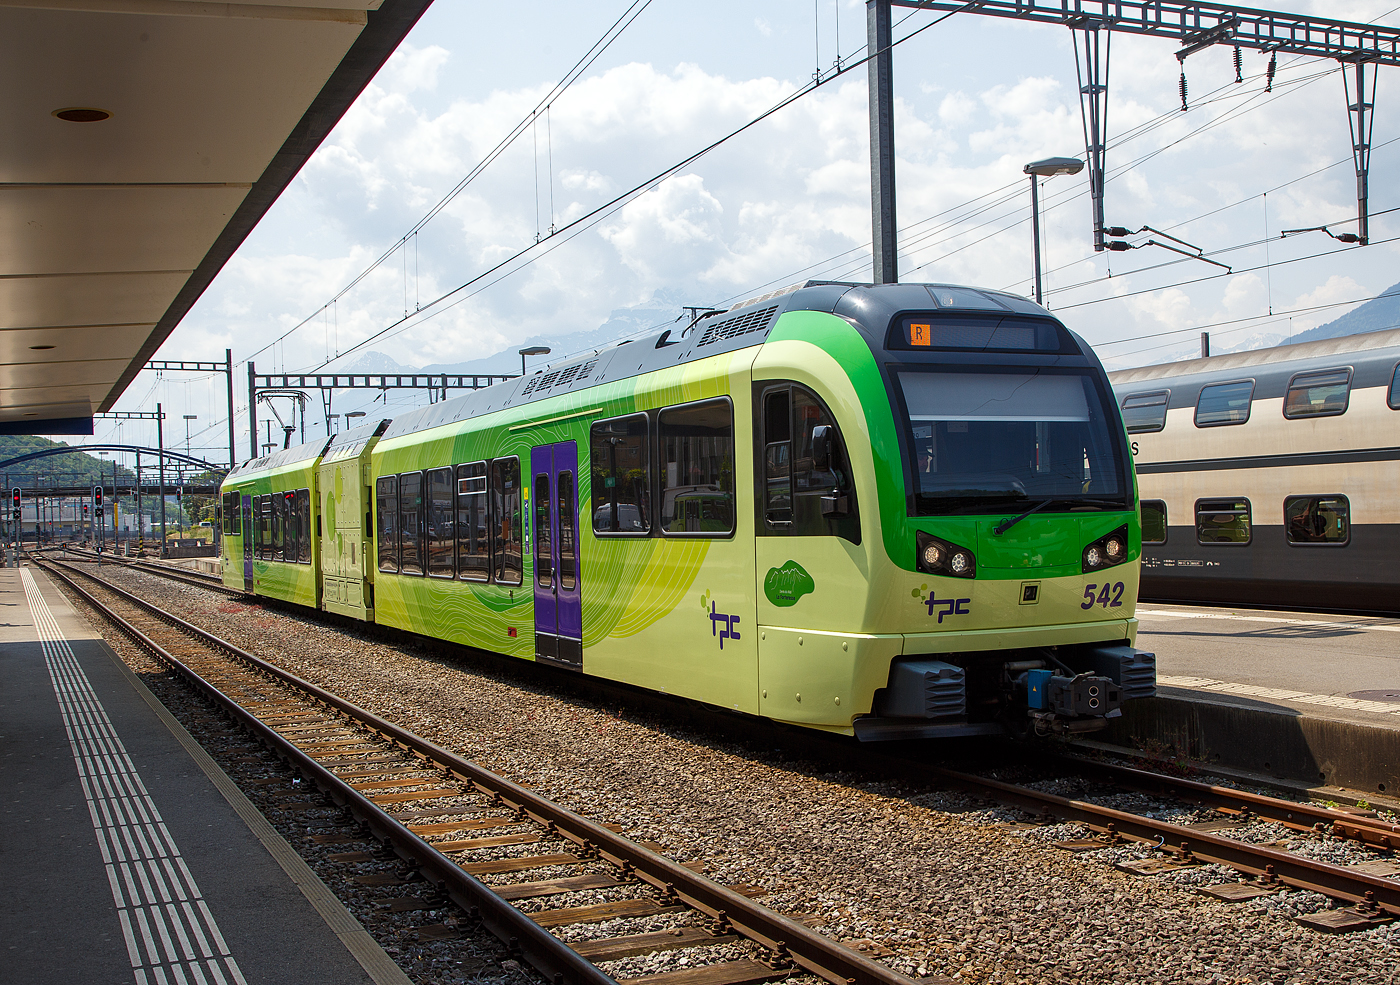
x,y
126,854
1312,700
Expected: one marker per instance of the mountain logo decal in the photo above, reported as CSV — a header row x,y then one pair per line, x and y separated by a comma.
x,y
786,585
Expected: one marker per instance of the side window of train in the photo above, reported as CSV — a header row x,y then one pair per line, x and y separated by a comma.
x,y
621,471
1144,413
697,454
276,549
1223,521
259,536
304,526
473,525
291,527
439,515
1392,397
807,487
507,542
1319,394
411,523
386,505
1224,403
1154,521
1317,520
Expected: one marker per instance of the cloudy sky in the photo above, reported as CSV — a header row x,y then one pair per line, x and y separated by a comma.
x,y
977,98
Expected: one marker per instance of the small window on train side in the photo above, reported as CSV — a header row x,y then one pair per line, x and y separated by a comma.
x,y
1223,521
1145,412
1392,398
438,516
621,476
697,455
303,508
1317,520
1154,521
411,523
386,507
507,542
473,525
1224,403
1319,394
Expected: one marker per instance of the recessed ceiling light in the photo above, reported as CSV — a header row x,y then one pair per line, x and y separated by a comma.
x,y
82,114
32,414
41,347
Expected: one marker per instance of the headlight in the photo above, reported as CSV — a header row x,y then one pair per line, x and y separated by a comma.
x,y
940,557
1107,551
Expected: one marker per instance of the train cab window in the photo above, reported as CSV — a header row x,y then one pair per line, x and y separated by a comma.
x,y
1144,413
507,528
621,473
440,544
807,487
544,529
1319,394
568,532
411,523
473,526
697,453
1317,520
1154,521
1392,398
1224,403
303,507
386,504
1223,521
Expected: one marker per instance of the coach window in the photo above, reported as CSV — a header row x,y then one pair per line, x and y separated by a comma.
x,y
807,487
544,557
386,504
473,527
304,526
1154,521
259,531
621,465
1223,521
697,452
439,523
507,544
1317,519
1320,394
278,527
1224,403
1145,412
288,502
1392,398
411,523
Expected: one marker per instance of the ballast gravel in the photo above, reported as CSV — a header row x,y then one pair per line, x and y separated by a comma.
x,y
940,884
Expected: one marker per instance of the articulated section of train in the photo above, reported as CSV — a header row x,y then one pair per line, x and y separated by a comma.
x,y
1269,477
889,511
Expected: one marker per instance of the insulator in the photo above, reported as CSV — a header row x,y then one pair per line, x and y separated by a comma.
x,y
1269,74
1183,90
1239,65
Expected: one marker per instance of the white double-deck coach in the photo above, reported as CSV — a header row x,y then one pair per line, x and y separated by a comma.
x,y
1271,477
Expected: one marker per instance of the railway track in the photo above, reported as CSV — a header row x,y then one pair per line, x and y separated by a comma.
x,y
1371,892
442,815
212,582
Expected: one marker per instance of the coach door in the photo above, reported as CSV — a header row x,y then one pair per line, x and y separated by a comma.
x,y
554,501
247,512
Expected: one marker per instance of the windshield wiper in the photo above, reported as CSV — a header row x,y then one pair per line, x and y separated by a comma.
x,y
1006,525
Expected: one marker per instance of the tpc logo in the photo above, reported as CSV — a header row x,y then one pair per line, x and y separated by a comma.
x,y
728,632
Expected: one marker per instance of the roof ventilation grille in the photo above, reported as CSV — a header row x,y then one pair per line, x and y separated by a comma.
x,y
752,321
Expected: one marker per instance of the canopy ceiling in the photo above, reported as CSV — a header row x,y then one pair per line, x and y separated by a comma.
x,y
110,229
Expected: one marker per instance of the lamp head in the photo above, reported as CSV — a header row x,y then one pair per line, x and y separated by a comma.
x,y
1054,165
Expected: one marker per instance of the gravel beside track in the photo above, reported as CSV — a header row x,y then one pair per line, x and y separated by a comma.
x,y
934,883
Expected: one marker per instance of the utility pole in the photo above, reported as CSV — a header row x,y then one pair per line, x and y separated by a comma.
x,y
884,240
160,447
232,454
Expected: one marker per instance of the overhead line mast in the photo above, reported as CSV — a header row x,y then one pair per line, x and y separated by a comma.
x,y
1196,25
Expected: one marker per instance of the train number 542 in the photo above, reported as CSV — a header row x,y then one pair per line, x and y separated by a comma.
x,y
1110,596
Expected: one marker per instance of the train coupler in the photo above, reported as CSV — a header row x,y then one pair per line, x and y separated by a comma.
x,y
1050,696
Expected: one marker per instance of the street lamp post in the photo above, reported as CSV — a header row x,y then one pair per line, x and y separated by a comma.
x,y
1047,168
188,418
532,350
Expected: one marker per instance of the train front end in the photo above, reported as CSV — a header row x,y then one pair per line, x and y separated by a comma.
x,y
982,537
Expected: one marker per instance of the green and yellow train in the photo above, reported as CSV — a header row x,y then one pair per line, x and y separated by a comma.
x,y
887,511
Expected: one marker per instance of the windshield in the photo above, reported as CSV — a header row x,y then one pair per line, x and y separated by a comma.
x,y
985,442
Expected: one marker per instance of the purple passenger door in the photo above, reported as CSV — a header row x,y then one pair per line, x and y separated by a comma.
x,y
558,604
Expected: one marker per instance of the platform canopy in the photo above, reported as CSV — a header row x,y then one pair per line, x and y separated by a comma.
x,y
142,142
